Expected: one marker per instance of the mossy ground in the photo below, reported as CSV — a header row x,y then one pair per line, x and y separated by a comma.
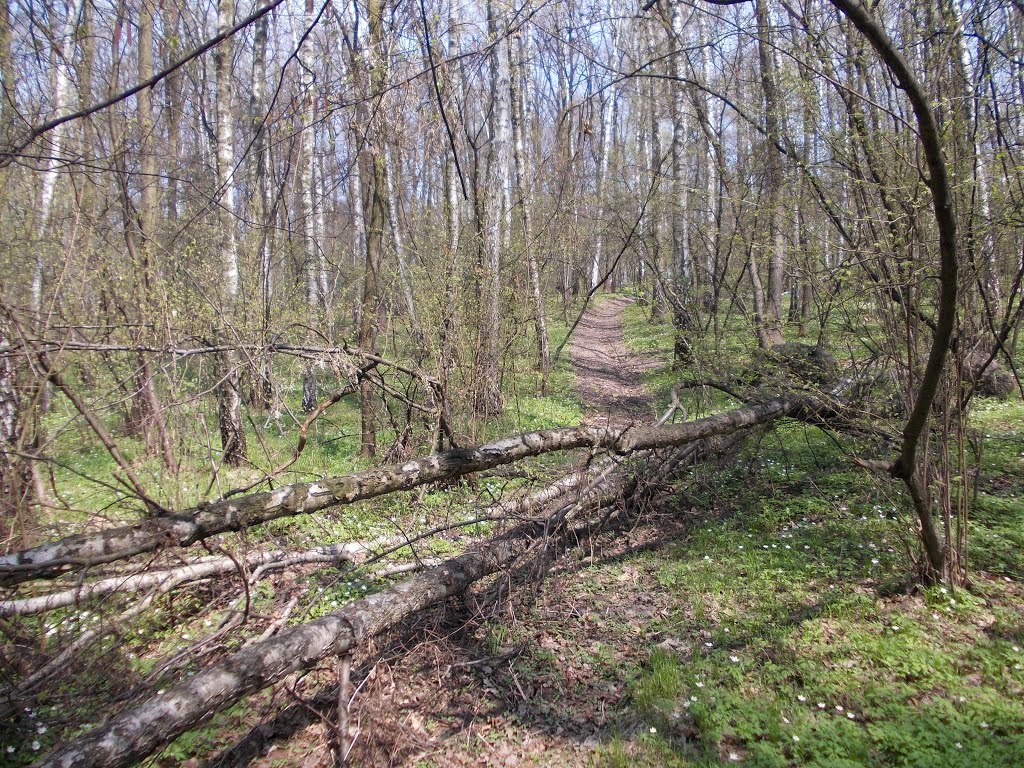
x,y
795,636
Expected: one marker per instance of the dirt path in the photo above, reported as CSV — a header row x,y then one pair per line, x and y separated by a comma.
x,y
540,683
608,375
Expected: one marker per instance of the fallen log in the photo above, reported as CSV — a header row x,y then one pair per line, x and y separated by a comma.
x,y
75,553
202,569
138,732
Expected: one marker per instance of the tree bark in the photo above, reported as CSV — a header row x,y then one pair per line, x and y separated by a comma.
x,y
376,213
908,466
311,240
263,394
229,399
157,438
8,73
16,478
771,223
31,606
487,400
519,84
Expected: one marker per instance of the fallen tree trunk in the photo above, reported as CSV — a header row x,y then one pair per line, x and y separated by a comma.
x,y
201,569
139,732
75,553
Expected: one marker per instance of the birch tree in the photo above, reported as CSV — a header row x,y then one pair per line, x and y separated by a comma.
x,y
488,401
229,397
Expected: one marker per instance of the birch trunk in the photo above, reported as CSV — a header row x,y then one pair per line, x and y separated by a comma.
x,y
229,399
310,239
264,390
487,390
520,83
600,182
62,57
16,477
682,260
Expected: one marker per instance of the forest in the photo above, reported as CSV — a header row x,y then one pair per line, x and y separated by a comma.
x,y
511,382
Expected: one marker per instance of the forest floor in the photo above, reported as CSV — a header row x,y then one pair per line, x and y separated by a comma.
x,y
512,685
763,613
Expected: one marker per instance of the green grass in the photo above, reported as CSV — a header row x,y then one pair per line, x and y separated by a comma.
x,y
795,639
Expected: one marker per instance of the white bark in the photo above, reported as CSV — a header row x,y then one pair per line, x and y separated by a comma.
x,y
62,56
682,260
711,206
226,153
520,83
229,399
495,230
165,579
597,257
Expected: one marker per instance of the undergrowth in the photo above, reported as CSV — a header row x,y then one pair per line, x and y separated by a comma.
x,y
796,635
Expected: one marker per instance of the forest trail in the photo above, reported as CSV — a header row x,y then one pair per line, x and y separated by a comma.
x,y
608,375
